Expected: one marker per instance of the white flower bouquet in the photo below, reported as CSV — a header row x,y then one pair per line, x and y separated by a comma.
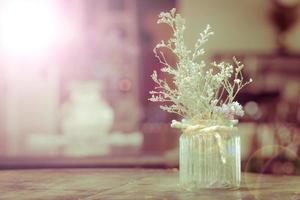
x,y
204,96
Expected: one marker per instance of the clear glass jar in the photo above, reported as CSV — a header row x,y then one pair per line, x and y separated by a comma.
x,y
210,159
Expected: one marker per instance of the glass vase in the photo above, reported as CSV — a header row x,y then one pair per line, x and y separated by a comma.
x,y
210,159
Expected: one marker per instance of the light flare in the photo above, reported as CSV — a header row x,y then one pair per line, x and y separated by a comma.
x,y
29,28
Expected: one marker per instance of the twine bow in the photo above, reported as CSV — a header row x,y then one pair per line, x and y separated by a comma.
x,y
206,130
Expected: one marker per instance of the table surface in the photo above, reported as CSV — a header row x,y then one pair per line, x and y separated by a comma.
x,y
75,184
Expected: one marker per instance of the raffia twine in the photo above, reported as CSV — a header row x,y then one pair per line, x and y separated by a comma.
x,y
219,132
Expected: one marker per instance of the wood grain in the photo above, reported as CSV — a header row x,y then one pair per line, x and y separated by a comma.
x,y
75,184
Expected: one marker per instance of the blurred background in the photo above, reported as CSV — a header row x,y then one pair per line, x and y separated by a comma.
x,y
75,77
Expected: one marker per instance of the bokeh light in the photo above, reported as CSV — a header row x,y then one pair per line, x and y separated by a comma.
x,y
28,28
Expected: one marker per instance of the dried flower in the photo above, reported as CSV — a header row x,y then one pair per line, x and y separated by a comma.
x,y
199,88
230,110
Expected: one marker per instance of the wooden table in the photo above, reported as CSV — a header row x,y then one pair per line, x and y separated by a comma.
x,y
75,184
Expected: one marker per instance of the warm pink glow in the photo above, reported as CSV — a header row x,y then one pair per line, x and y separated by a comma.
x,y
30,27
